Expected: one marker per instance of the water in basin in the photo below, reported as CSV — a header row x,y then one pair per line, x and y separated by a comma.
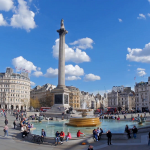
x,y
115,126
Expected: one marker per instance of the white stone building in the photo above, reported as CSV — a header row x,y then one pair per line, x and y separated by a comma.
x,y
88,100
14,90
122,100
142,95
40,92
118,88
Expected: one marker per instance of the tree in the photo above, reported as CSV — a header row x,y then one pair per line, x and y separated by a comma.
x,y
34,103
47,100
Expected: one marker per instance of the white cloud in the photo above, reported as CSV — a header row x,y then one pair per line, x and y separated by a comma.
x,y
76,56
148,0
22,64
23,17
2,21
71,72
32,83
73,78
139,55
37,73
83,43
141,16
141,73
128,69
129,65
51,73
91,77
140,69
6,5
148,14
120,20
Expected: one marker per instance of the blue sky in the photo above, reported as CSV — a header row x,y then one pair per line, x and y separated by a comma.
x,y
107,44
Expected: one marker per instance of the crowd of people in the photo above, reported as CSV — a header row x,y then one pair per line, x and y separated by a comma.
x,y
60,137
109,117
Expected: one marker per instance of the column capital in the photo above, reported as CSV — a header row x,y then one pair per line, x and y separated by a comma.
x,y
62,31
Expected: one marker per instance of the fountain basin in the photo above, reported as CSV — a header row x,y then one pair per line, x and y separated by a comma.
x,y
84,122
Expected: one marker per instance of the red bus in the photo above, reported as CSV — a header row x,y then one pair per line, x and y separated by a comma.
x,y
111,110
44,109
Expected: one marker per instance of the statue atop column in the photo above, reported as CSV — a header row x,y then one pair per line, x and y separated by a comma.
x,y
62,24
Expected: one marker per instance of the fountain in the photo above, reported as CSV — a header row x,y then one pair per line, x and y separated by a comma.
x,y
84,121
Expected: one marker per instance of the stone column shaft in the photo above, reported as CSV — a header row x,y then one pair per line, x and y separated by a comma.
x,y
61,70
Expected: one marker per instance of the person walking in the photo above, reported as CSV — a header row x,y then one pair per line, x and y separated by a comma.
x,y
109,135
6,130
134,130
6,121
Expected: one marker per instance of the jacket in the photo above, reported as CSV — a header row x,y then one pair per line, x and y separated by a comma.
x,y
62,134
79,133
43,133
109,135
69,135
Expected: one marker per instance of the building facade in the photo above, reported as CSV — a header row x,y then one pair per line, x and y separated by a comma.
x,y
74,97
142,95
43,94
87,100
122,99
14,90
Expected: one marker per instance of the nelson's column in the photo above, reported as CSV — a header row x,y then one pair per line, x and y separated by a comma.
x,y
61,93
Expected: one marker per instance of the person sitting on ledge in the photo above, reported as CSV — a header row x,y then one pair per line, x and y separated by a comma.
x,y
57,137
43,135
79,133
118,118
68,136
62,135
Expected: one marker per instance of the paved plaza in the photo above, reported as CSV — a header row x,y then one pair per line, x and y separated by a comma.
x,y
15,142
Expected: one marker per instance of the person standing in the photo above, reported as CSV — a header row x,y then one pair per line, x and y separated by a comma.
x,y
14,123
101,132
6,130
6,121
109,135
149,138
134,129
98,133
